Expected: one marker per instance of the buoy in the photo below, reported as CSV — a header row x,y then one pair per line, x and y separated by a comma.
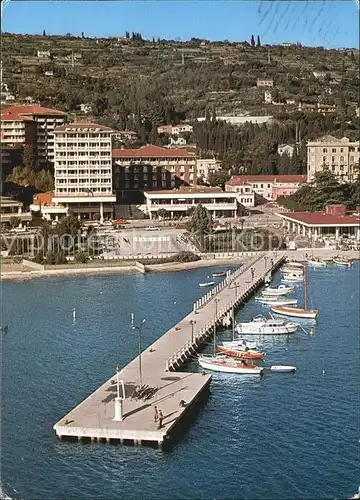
x,y
323,372
74,314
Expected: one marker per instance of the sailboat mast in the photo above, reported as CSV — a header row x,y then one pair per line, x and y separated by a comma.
x,y
305,288
233,322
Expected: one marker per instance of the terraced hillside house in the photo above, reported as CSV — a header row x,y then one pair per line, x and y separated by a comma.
x,y
177,202
264,187
83,170
340,156
177,162
33,125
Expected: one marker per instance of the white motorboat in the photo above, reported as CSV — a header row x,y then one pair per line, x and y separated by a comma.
x,y
240,344
292,278
219,274
280,290
283,369
264,326
342,261
316,262
288,269
276,301
294,263
224,364
207,283
295,312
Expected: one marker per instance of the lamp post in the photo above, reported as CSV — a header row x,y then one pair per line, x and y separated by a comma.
x,y
192,323
119,399
265,259
139,329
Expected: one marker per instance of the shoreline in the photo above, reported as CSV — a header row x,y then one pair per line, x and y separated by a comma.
x,y
78,272
116,270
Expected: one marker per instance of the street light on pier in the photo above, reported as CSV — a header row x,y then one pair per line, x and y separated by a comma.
x,y
139,329
265,259
192,323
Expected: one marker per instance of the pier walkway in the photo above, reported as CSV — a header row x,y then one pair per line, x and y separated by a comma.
x,y
93,419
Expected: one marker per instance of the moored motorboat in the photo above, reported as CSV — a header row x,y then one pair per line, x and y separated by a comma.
x,y
314,262
342,261
241,353
219,274
295,312
207,283
292,278
289,269
294,263
240,344
226,365
264,326
278,291
283,369
275,301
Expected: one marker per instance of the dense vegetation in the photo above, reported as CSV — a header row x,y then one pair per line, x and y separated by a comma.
x,y
323,190
139,84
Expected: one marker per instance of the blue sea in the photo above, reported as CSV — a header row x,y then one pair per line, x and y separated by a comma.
x,y
282,436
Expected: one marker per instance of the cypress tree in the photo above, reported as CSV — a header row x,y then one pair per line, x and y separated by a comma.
x,y
252,41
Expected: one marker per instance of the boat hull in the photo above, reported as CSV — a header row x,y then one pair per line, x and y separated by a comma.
x,y
283,369
277,292
210,283
295,312
342,263
316,263
229,367
279,330
237,353
274,302
239,344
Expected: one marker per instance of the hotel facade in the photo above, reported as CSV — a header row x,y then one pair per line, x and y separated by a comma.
x,y
339,156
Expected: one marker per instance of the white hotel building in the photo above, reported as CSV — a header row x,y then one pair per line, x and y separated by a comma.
x,y
83,172
177,201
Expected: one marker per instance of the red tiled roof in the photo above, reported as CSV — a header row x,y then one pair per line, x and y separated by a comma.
x,y
321,219
150,151
28,111
237,180
82,125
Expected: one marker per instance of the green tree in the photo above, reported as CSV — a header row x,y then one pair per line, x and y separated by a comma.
x,y
252,42
44,33
218,178
81,258
29,157
258,43
200,220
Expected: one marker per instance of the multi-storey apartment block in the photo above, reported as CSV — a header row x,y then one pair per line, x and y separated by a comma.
x,y
179,162
83,169
340,156
34,125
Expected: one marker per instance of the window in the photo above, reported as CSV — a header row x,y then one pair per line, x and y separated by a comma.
x,y
269,185
324,159
341,150
333,150
333,159
324,150
341,159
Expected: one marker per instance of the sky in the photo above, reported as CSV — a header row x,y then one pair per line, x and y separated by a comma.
x,y
311,22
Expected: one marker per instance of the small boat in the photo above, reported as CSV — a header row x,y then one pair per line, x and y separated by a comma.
x,y
342,261
264,326
295,312
223,364
240,344
316,262
207,283
276,301
292,278
219,274
241,353
280,290
287,269
294,263
283,369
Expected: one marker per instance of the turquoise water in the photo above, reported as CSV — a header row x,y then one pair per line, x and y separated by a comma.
x,y
282,436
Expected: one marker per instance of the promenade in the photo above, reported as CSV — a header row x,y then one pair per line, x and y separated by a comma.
x,y
93,419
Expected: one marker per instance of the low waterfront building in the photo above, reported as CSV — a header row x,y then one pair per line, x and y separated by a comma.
x,y
10,208
178,201
316,225
266,187
44,204
83,170
179,161
339,156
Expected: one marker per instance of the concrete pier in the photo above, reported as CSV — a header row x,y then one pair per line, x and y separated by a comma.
x,y
174,393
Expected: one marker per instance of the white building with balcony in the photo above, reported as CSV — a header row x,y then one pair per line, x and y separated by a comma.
x,y
178,201
83,170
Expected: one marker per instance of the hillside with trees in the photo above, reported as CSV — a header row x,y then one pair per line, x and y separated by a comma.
x,y
136,84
